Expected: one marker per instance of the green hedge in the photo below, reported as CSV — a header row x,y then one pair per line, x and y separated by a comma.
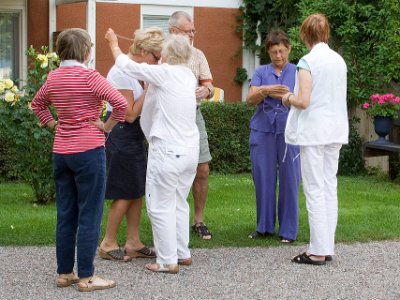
x,y
228,136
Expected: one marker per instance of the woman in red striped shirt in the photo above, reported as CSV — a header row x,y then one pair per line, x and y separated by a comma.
x,y
78,93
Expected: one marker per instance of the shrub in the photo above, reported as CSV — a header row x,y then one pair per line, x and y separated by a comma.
x,y
351,161
228,135
29,144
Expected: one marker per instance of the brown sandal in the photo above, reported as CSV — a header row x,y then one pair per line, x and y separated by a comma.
x,y
202,231
185,261
64,280
144,252
94,283
115,254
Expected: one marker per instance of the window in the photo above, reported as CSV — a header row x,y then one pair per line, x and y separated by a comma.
x,y
159,21
158,15
9,45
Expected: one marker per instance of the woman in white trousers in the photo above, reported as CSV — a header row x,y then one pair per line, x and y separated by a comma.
x,y
318,123
168,121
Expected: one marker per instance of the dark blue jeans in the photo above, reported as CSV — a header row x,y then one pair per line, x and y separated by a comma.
x,y
80,186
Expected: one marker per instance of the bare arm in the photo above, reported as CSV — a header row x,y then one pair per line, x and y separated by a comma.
x,y
302,100
258,93
113,43
134,107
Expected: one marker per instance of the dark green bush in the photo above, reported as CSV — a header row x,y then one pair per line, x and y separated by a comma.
x,y
228,136
351,161
7,160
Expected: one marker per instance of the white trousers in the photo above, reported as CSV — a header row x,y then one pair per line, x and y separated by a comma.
x,y
170,174
319,165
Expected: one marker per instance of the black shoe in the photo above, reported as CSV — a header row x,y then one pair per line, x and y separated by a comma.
x,y
258,235
304,258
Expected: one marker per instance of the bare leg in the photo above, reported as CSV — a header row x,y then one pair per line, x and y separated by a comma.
x,y
133,221
117,211
200,190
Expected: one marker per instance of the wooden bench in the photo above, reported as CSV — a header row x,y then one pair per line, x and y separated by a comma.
x,y
392,150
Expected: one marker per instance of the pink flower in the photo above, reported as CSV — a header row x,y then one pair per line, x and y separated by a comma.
x,y
374,97
385,105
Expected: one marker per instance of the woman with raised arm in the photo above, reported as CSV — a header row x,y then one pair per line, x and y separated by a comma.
x,y
126,155
169,123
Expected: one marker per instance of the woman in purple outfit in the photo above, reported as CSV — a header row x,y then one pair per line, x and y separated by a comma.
x,y
272,159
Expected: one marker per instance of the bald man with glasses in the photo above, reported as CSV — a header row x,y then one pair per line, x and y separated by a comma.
x,y
182,23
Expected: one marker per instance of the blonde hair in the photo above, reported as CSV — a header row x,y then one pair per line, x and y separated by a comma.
x,y
74,43
315,29
176,49
149,40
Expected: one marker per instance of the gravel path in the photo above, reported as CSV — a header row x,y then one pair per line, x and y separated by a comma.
x,y
359,271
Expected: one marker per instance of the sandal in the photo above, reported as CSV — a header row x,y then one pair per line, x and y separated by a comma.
x,y
64,280
202,231
258,235
94,283
115,254
163,268
144,252
328,258
286,241
304,258
185,261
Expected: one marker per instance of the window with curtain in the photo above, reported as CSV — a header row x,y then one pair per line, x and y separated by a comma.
x,y
9,45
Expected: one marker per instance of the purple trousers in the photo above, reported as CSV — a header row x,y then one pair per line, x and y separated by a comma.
x,y
272,157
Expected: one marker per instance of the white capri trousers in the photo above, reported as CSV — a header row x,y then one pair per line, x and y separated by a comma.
x,y
170,174
319,165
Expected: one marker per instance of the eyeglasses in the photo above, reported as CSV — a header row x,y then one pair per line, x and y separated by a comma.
x,y
155,57
186,31
282,51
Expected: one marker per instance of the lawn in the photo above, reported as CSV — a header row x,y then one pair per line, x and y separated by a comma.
x,y
369,209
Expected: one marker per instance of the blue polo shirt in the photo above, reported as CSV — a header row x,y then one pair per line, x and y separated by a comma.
x,y
271,115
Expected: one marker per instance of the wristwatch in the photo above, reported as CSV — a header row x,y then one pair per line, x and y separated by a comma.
x,y
209,92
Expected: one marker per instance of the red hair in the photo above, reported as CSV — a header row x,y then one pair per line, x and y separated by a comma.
x,y
314,30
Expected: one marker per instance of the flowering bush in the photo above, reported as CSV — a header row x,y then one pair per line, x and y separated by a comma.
x,y
9,92
27,145
386,105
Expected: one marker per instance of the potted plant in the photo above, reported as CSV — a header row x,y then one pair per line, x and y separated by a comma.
x,y
383,108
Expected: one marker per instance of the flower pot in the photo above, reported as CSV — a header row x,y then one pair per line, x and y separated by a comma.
x,y
382,126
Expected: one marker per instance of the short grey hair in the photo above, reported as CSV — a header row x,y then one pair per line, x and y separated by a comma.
x,y
176,49
177,16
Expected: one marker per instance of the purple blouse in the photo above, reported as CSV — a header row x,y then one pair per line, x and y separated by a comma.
x,y
271,115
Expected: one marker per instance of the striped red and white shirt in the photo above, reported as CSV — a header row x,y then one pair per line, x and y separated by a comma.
x,y
77,93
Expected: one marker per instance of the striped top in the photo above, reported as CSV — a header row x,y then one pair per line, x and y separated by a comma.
x,y
200,68
77,93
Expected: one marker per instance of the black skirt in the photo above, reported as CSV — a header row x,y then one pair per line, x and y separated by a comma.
x,y
126,162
